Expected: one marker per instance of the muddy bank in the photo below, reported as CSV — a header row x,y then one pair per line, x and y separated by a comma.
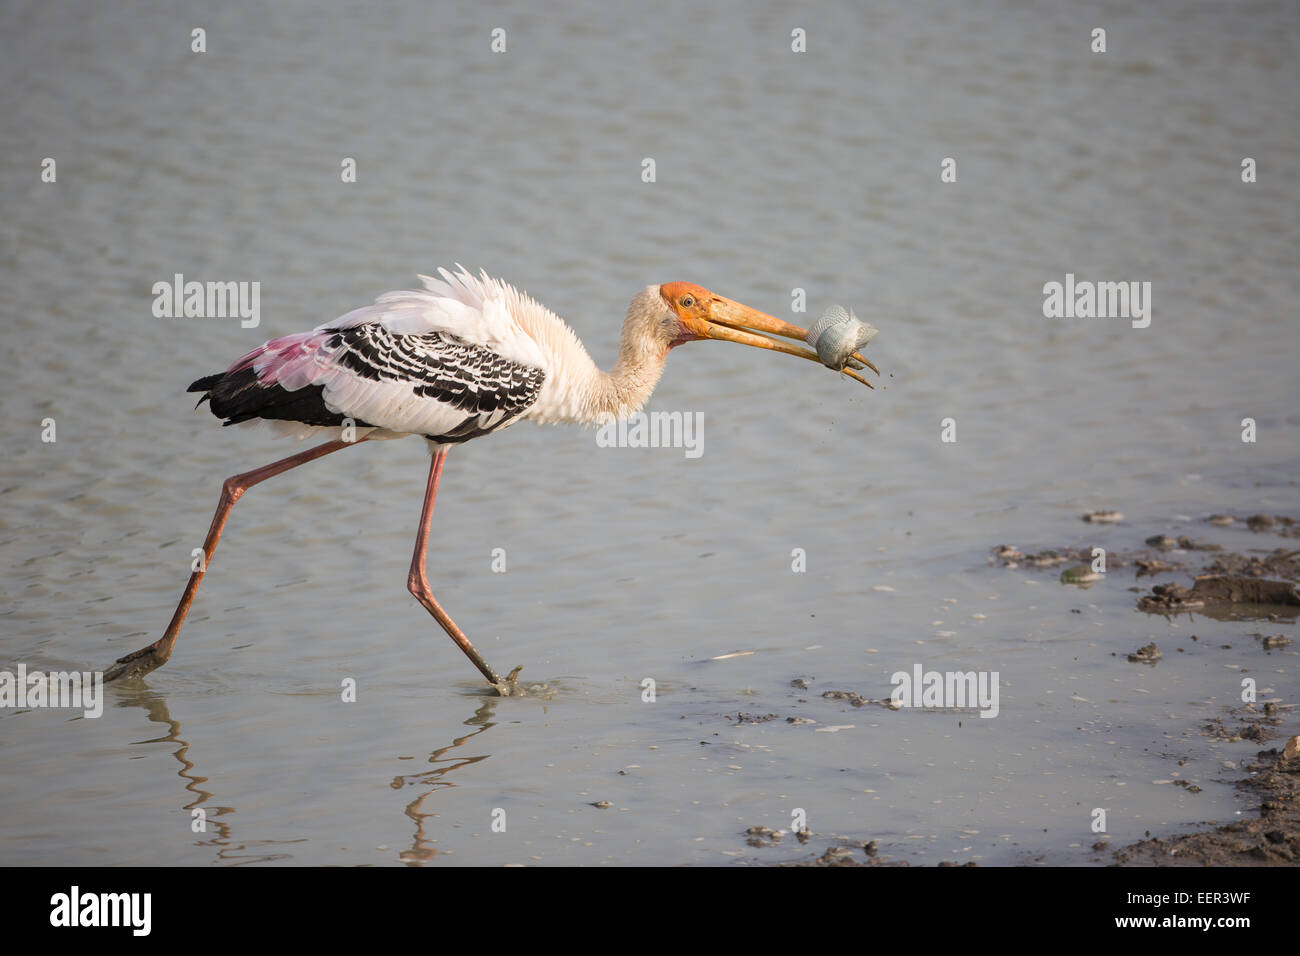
x,y
1222,571
1221,579
1270,839
1225,584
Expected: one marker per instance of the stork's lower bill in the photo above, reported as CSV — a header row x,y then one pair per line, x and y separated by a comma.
x,y
458,359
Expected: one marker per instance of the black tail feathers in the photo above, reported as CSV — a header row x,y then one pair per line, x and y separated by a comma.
x,y
238,396
205,384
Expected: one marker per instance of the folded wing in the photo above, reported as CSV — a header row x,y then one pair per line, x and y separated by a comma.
x,y
447,362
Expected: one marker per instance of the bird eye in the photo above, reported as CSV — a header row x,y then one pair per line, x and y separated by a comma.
x,y
687,301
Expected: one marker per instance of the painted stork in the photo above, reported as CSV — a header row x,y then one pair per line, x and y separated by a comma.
x,y
460,358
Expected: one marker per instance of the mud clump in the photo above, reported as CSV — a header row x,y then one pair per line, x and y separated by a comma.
x,y
857,700
1290,759
1274,524
838,856
1154,566
1280,525
760,836
1146,655
1215,590
1163,542
1165,598
1252,725
1079,574
1009,556
1236,589
1280,564
1102,517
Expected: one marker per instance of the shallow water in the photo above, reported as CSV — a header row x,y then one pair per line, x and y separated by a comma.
x,y
774,171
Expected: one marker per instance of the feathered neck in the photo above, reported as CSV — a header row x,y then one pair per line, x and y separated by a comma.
x,y
576,390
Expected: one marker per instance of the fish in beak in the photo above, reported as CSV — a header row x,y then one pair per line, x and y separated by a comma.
x,y
705,315
837,335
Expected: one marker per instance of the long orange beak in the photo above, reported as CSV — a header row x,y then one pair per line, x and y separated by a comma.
x,y
730,321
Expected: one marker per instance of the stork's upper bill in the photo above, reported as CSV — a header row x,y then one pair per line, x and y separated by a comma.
x,y
705,315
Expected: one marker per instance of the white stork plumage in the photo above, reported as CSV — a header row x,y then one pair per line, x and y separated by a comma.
x,y
460,358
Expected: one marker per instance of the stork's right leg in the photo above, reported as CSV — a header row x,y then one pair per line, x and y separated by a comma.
x,y
417,582
155,655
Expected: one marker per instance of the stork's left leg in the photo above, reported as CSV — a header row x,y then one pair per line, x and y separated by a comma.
x,y
417,582
138,663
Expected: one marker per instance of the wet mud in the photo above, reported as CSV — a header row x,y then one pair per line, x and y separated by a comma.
x,y
1251,583
1221,584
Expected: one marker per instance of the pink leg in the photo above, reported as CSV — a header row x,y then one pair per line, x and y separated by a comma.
x,y
156,654
417,582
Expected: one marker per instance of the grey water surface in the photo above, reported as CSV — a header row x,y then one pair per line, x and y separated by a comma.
x,y
774,171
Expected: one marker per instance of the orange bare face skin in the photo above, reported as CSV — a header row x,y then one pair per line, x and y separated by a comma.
x,y
691,304
686,298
